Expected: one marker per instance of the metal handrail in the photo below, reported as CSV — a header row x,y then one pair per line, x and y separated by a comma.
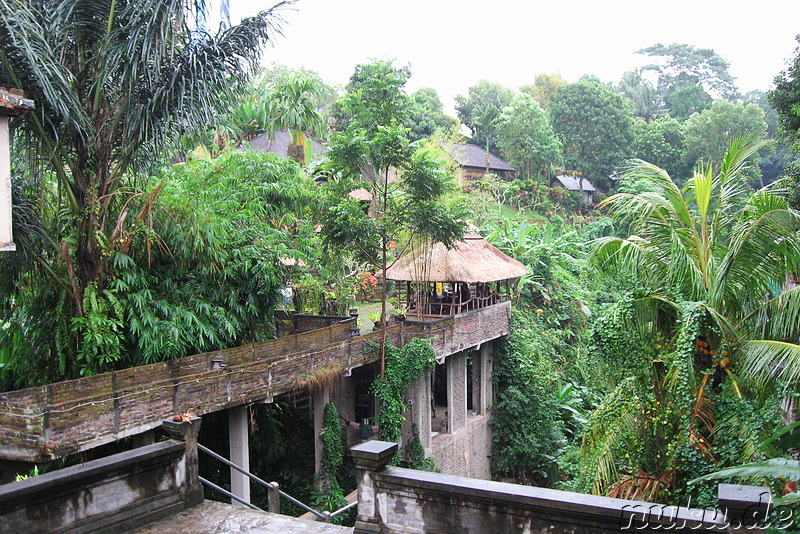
x,y
344,509
271,487
228,494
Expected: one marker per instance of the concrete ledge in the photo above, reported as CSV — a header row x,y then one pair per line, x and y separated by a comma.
x,y
433,502
112,494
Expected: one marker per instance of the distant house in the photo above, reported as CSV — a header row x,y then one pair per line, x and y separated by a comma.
x,y
474,162
575,183
279,141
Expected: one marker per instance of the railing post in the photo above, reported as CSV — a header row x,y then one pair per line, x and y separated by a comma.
x,y
187,431
274,497
369,458
327,518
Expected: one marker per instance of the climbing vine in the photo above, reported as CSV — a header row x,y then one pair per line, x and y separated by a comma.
x,y
415,454
332,457
403,365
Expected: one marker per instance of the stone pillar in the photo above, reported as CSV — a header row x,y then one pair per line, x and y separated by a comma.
x,y
456,392
239,441
476,381
189,468
319,399
486,378
418,402
369,457
424,409
6,239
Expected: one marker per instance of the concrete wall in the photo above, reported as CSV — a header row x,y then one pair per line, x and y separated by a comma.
x,y
6,238
413,501
393,500
112,494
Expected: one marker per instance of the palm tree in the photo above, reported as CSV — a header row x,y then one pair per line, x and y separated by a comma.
x,y
115,83
113,80
644,96
291,105
706,259
720,244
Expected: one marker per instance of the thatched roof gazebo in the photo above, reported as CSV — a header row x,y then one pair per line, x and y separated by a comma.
x,y
441,282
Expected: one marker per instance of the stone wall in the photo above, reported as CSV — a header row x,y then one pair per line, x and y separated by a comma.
x,y
112,494
466,453
393,500
50,421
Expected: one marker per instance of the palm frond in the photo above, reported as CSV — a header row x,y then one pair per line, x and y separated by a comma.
x,y
764,246
30,57
772,468
777,317
671,193
603,436
767,359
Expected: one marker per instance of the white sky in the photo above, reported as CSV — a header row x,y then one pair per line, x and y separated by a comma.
x,y
450,45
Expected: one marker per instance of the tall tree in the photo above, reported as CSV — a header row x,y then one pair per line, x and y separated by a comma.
x,y
680,65
111,79
114,82
544,87
785,98
374,145
645,98
686,100
480,109
526,139
427,115
710,133
595,125
662,143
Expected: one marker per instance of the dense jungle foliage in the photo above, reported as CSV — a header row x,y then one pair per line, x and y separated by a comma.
x,y
653,342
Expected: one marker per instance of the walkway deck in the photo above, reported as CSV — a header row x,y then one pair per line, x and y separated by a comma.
x,y
47,422
213,517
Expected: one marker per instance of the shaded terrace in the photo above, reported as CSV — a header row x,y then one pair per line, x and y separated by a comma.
x,y
441,282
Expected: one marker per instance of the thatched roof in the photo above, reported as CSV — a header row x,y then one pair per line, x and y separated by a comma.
x,y
474,260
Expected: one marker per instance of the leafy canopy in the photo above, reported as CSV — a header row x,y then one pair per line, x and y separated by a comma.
x,y
595,125
526,139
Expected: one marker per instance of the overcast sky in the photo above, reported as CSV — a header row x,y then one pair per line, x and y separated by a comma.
x,y
450,45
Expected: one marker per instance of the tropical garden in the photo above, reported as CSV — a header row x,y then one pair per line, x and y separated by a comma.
x,y
654,342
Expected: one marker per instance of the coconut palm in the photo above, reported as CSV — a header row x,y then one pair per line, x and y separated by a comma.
x,y
720,244
706,259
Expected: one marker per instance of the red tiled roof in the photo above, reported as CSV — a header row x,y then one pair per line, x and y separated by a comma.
x,y
13,102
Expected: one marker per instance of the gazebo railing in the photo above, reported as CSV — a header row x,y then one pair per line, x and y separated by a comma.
x,y
440,308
